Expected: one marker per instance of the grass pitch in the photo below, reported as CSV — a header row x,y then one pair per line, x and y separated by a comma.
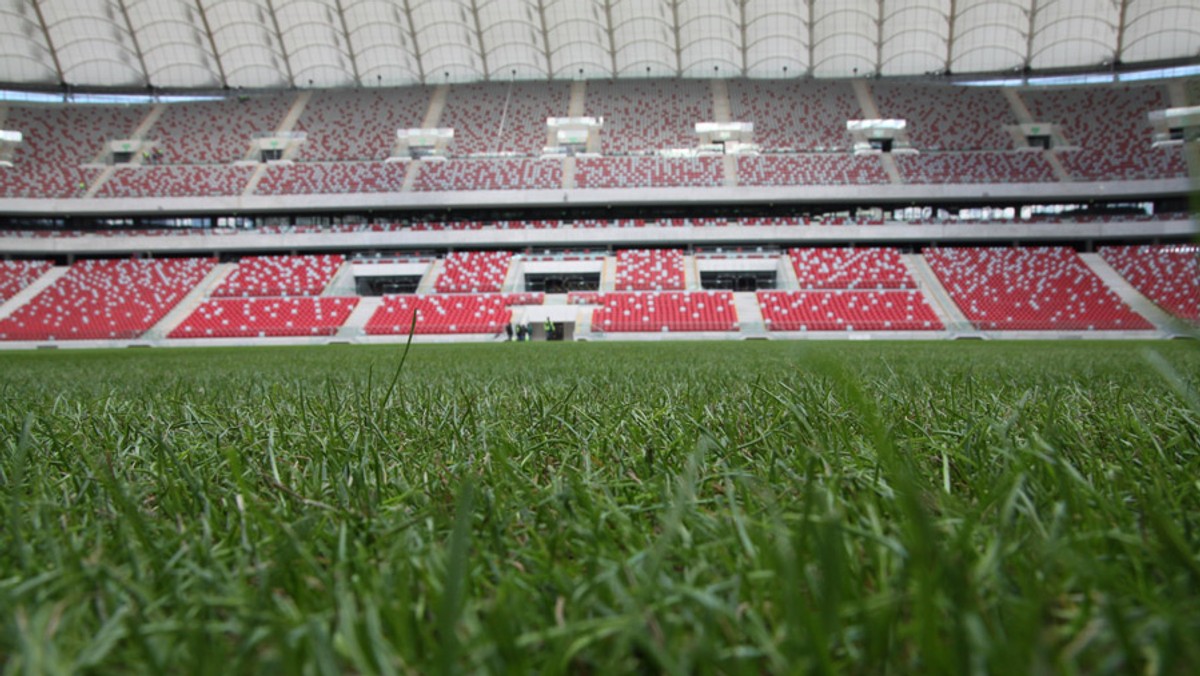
x,y
603,508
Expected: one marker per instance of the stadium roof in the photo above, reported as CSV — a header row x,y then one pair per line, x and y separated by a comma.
x,y
202,44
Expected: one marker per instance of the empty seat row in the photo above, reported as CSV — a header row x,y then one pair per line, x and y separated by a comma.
x,y
489,174
846,268
473,272
649,172
441,314
266,317
1168,275
280,276
659,312
886,310
649,270
16,275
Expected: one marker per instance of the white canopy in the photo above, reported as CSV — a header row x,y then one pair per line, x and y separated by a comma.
x,y
341,43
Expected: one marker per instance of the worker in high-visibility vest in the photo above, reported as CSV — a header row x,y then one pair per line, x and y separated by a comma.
x,y
549,329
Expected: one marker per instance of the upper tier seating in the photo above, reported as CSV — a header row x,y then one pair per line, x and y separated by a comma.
x,y
1109,125
649,172
57,140
975,167
845,268
280,276
649,270
262,317
664,312
645,116
799,115
1030,288
176,181
812,169
1168,275
457,313
495,174
324,178
359,124
889,310
505,118
16,275
217,132
473,272
948,117
106,299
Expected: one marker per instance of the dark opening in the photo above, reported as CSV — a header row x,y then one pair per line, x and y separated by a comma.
x,y
1039,141
379,286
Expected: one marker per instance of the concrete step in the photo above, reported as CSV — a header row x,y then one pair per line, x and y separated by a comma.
x,y
608,274
1130,296
749,314
356,323
939,299
190,302
27,294
430,279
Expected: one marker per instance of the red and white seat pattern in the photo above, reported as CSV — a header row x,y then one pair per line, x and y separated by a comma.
x,y
1109,126
641,116
811,169
176,181
324,178
649,270
1168,275
886,310
16,275
948,117
441,314
975,167
57,140
216,132
802,115
1031,289
489,174
358,125
668,311
846,268
106,299
266,317
280,276
489,118
473,272
649,172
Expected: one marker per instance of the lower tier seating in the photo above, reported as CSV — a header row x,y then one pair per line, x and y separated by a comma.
x,y
846,268
662,311
891,310
263,317
1168,275
1030,289
649,270
443,314
280,276
473,272
16,275
106,299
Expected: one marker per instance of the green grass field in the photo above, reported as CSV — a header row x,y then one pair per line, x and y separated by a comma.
x,y
603,508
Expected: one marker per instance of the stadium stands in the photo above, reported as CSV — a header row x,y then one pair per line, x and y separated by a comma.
x,y
358,125
266,317
1167,275
325,178
105,299
649,270
651,115
845,268
217,132
1109,126
57,140
176,181
810,169
1031,288
671,311
490,174
502,118
473,272
649,172
280,276
948,117
793,115
888,310
444,314
16,275
975,167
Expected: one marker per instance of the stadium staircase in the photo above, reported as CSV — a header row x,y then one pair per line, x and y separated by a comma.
x,y
749,315
1021,111
27,294
1129,295
143,128
342,283
691,275
608,274
944,306
185,307
356,323
429,281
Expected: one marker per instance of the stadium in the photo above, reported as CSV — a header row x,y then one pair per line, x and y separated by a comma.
x,y
862,335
